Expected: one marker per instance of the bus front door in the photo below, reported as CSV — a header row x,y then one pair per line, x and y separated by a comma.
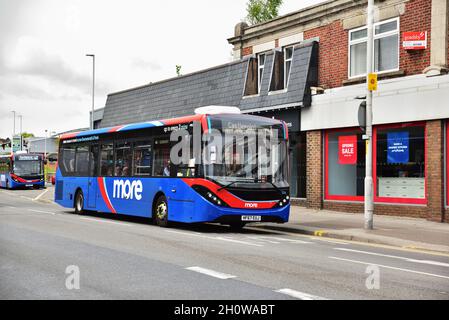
x,y
92,181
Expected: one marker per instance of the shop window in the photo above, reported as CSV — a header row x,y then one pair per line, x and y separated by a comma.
x,y
345,165
298,173
400,162
386,48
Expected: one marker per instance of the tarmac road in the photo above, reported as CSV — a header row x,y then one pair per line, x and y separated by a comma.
x,y
42,246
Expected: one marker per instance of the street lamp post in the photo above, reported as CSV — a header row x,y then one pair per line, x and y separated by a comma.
x,y
93,89
21,136
369,206
45,145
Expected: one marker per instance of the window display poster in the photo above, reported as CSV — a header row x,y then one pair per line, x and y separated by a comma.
x,y
347,149
397,147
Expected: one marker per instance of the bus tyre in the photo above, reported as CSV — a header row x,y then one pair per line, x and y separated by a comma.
x,y
160,211
237,226
79,202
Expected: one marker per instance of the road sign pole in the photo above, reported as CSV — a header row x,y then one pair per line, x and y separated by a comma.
x,y
369,206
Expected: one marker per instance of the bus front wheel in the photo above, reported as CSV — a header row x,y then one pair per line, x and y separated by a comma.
x,y
79,202
160,211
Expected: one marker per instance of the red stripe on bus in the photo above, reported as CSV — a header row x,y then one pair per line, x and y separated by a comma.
x,y
169,122
228,197
69,135
104,195
114,129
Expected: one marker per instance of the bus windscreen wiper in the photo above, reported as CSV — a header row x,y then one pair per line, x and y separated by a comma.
x,y
236,181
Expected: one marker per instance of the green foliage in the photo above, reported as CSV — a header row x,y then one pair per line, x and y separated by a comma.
x,y
262,10
27,135
178,70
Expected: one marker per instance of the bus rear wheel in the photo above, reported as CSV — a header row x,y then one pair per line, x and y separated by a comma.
x,y
160,211
79,202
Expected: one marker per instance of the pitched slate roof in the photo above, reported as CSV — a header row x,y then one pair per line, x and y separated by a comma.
x,y
221,85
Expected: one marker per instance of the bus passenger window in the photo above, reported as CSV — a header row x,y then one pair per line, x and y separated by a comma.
x,y
68,160
107,160
142,158
82,161
161,161
122,160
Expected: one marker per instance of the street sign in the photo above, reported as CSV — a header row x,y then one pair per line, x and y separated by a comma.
x,y
414,40
362,116
372,81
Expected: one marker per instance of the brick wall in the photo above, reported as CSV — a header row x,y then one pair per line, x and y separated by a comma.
x,y
435,170
333,56
416,18
414,211
314,169
247,51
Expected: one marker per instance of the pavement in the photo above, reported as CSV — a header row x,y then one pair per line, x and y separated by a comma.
x,y
402,232
48,252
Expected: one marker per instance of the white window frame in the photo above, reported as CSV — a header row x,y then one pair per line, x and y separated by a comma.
x,y
260,69
286,80
375,37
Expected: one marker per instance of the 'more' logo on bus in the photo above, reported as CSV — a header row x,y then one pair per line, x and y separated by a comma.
x,y
126,189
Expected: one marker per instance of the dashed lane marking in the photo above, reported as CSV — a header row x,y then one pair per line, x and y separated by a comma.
x,y
40,211
196,234
299,295
106,221
40,195
390,267
211,273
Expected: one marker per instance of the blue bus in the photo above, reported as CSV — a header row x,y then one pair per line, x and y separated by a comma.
x,y
19,170
128,169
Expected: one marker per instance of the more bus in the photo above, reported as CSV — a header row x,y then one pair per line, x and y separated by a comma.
x,y
22,170
132,169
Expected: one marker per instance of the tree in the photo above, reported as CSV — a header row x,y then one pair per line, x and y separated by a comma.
x,y
178,70
262,10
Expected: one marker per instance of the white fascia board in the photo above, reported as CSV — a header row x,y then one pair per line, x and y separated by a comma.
x,y
263,47
405,99
292,39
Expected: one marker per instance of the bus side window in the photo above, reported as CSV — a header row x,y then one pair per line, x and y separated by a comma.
x,y
82,160
122,159
68,160
107,160
93,160
161,161
142,158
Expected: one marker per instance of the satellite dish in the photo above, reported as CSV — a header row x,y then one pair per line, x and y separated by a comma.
x,y
217,110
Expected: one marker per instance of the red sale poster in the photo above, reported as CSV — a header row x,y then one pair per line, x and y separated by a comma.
x,y
347,149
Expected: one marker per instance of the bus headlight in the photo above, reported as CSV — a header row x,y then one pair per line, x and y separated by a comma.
x,y
283,201
209,196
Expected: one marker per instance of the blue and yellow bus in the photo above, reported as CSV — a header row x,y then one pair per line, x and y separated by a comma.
x,y
19,170
128,169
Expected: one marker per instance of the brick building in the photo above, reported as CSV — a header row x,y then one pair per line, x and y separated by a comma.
x,y
307,68
411,106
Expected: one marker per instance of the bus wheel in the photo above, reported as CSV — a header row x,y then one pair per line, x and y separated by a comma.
x,y
160,211
237,226
79,202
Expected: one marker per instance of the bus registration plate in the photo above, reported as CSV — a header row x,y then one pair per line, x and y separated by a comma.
x,y
251,218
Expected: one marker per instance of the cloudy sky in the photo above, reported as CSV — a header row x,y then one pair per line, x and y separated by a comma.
x,y
46,77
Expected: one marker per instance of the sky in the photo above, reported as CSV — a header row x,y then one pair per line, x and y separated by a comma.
x,y
46,77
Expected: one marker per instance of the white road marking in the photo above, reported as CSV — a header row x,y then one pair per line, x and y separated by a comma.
x,y
106,221
26,198
212,273
299,294
291,240
389,267
40,195
431,262
39,211
197,234
262,239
